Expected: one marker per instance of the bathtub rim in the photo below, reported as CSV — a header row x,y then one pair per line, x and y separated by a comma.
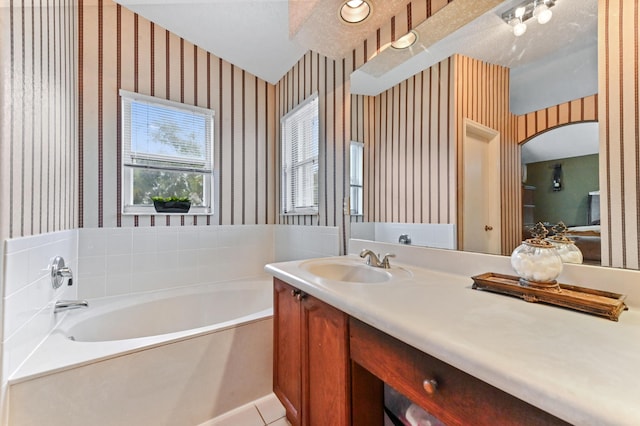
x,y
46,359
104,306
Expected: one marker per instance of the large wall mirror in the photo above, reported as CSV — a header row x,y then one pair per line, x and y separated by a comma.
x,y
478,79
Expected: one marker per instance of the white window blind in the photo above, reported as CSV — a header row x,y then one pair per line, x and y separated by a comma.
x,y
299,137
167,151
357,178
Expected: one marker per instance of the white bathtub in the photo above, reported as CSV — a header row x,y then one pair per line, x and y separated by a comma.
x,y
191,310
177,357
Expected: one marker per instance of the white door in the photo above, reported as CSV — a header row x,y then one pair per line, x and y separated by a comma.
x,y
481,189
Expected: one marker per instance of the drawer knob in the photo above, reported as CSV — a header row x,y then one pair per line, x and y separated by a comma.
x,y
295,293
430,386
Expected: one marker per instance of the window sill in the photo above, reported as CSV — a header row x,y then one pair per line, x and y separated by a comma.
x,y
143,211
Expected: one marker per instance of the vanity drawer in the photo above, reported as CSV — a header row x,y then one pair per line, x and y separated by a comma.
x,y
451,395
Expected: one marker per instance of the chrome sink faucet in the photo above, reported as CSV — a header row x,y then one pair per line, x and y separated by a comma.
x,y
374,260
65,305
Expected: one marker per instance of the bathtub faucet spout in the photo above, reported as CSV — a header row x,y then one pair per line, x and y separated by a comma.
x,y
65,305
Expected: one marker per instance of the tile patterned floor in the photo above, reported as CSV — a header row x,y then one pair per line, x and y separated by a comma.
x,y
266,411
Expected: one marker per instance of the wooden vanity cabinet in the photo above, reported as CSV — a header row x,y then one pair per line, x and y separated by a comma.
x,y
456,398
311,374
329,369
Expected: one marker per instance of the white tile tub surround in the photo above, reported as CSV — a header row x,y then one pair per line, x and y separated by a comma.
x,y
28,294
296,242
114,261
438,235
128,259
363,230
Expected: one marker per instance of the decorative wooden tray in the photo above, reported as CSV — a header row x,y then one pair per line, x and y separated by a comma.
x,y
595,302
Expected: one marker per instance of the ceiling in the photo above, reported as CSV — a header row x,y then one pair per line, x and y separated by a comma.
x,y
251,34
262,36
257,35
489,38
563,142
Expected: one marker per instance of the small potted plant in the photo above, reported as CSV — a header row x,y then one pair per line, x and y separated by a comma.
x,y
171,204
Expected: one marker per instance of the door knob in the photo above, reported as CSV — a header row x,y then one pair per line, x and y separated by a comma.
x,y
488,228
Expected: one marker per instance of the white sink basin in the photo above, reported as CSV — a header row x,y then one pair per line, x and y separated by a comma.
x,y
351,271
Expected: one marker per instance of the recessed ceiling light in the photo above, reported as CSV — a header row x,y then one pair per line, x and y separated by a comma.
x,y
407,40
354,11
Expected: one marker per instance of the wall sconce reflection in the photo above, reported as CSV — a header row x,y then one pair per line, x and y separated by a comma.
x,y
557,177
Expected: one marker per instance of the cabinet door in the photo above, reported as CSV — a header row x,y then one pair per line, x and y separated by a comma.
x,y
287,349
325,365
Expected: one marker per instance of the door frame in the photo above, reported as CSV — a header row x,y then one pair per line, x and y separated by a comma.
x,y
491,136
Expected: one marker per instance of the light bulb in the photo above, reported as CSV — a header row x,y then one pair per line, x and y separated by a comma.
x,y
519,29
543,13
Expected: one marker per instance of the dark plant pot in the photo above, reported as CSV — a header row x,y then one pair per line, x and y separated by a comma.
x,y
172,206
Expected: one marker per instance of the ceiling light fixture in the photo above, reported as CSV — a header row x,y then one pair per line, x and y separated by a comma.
x,y
518,15
406,41
355,11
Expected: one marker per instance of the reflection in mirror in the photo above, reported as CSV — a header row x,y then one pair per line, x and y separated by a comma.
x,y
356,178
560,184
412,124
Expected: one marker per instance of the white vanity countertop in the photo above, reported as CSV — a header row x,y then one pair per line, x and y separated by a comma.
x,y
581,368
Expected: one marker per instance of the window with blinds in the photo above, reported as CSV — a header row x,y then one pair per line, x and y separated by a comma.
x,y
299,137
167,151
357,178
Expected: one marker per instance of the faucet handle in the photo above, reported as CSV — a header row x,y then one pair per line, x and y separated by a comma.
x,y
59,272
372,258
385,260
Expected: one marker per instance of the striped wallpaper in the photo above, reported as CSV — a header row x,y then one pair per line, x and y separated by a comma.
x,y
38,141
409,154
577,111
330,79
619,119
151,60
59,140
120,49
